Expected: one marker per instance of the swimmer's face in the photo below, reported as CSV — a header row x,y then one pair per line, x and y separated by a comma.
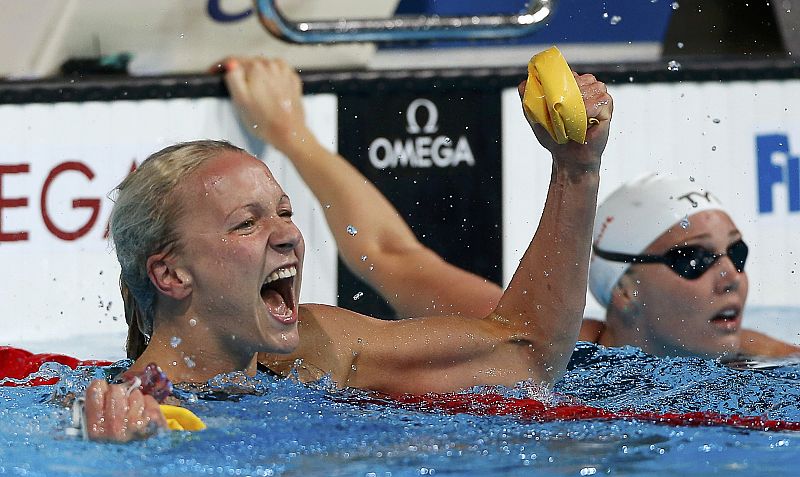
x,y
702,317
243,253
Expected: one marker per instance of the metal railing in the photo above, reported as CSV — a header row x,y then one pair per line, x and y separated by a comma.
x,y
404,28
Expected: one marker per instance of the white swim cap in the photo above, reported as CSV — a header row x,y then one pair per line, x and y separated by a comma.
x,y
634,216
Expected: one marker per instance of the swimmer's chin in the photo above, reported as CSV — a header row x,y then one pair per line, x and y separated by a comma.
x,y
284,343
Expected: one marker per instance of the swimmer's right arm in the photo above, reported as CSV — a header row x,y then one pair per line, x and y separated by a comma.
x,y
115,415
414,279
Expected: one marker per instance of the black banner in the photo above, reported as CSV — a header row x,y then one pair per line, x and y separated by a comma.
x,y
436,156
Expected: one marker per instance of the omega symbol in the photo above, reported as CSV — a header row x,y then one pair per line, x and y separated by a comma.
x,y
431,126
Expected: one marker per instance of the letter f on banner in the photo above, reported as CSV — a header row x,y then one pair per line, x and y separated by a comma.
x,y
770,173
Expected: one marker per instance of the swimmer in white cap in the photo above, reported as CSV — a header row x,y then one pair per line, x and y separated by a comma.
x,y
418,282
668,264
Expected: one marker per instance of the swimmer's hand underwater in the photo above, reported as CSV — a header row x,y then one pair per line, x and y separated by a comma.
x,y
131,410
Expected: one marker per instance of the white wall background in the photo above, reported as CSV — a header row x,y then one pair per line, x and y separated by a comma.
x,y
51,289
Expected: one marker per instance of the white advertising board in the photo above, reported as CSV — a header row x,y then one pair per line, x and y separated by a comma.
x,y
739,139
58,164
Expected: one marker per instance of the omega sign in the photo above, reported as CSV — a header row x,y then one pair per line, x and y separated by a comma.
x,y
425,148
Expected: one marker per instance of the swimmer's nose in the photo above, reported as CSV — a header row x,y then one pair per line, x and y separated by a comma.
x,y
285,238
728,278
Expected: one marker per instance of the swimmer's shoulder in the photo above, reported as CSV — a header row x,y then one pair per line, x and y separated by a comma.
x,y
591,330
326,333
759,344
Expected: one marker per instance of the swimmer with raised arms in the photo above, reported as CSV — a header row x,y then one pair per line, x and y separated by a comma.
x,y
210,254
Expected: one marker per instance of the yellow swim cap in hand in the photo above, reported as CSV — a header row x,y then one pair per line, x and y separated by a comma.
x,y
552,97
181,419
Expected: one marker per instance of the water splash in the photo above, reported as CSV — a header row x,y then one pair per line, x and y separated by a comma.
x,y
673,65
351,230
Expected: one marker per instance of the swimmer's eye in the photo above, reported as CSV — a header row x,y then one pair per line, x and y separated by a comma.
x,y
247,224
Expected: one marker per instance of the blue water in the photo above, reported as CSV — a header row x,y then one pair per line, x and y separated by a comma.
x,y
283,428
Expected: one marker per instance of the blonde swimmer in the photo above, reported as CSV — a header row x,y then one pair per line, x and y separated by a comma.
x,y
209,253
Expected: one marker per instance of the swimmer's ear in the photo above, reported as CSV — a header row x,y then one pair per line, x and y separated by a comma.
x,y
168,278
624,301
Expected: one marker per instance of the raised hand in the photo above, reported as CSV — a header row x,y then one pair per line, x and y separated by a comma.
x,y
599,108
268,94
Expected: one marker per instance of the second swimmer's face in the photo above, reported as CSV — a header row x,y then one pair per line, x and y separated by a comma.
x,y
679,316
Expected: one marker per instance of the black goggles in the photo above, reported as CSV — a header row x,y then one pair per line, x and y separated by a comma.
x,y
689,261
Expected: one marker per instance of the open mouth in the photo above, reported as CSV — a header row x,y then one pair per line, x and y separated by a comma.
x,y
728,319
277,291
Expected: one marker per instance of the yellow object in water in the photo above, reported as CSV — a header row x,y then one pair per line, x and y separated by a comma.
x,y
181,419
552,97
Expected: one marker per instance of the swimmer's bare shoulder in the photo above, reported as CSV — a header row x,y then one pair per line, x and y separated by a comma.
x,y
758,344
320,350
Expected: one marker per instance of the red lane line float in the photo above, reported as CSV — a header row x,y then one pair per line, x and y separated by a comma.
x,y
18,364
531,409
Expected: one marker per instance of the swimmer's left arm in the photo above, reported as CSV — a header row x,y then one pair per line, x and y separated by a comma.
x,y
419,355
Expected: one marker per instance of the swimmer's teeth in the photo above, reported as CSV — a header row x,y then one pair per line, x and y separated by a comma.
x,y
281,273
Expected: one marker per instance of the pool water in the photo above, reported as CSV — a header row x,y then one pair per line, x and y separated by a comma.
x,y
267,426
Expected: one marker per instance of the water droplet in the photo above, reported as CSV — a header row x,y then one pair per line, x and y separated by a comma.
x,y
192,322
675,5
358,295
353,367
685,222
715,120
691,178
447,141
605,14
615,19
255,126
630,79
352,230
189,362
635,292
713,148
174,341
363,258
673,65
680,44
546,273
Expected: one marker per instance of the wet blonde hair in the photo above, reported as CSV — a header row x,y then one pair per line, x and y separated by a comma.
x,y
143,223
